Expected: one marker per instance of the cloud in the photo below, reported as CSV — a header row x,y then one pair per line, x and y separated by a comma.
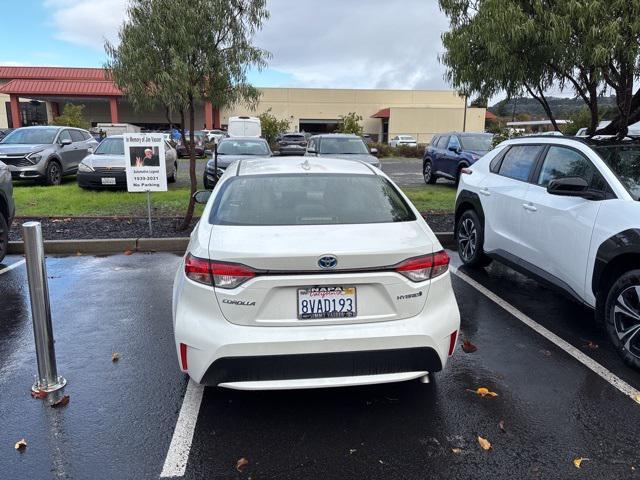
x,y
86,22
333,43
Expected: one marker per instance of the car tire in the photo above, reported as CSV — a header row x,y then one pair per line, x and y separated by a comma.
x,y
470,240
4,237
427,173
53,173
622,317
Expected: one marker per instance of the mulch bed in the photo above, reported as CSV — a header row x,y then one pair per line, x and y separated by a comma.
x,y
82,228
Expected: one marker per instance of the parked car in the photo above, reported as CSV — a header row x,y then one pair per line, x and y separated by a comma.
x,y
313,273
4,132
7,208
244,127
565,212
45,153
403,140
292,144
341,145
231,149
214,135
449,153
199,139
106,166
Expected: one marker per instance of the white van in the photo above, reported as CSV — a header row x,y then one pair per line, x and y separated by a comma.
x,y
244,127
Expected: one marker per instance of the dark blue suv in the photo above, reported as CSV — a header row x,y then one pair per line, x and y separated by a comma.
x,y
448,153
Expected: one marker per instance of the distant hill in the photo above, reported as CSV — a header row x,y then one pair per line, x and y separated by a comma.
x,y
561,107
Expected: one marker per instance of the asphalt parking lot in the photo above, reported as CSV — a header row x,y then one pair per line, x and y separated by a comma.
x,y
562,392
406,172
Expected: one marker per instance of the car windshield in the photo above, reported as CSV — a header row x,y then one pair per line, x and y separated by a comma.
x,y
477,143
243,147
318,199
343,145
624,161
31,136
110,146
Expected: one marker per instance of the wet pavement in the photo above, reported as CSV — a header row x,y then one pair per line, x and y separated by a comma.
x,y
121,416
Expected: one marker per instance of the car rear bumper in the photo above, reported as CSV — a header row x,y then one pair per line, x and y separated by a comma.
x,y
269,357
292,150
94,179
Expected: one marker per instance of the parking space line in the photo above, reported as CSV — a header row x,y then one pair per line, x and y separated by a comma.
x,y
587,361
175,464
12,266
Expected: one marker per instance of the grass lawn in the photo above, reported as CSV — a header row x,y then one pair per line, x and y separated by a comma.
x,y
432,198
69,200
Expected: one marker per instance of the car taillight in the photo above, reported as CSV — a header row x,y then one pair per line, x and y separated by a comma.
x,y
423,268
452,342
230,275
198,269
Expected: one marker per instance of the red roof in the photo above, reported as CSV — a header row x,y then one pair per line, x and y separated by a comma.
x,y
490,116
52,73
84,88
384,113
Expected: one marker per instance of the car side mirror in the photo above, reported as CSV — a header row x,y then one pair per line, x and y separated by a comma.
x,y
202,196
374,151
89,150
573,187
65,141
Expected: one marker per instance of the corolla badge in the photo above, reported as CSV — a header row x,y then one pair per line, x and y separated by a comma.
x,y
327,261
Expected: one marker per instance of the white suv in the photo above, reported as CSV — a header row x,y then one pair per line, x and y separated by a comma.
x,y
565,212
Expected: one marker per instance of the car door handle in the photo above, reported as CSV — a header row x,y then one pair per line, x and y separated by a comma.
x,y
485,192
530,207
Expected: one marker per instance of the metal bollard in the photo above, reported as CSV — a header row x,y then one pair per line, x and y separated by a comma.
x,y
48,379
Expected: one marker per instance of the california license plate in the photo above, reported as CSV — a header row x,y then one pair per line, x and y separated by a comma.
x,y
108,181
326,302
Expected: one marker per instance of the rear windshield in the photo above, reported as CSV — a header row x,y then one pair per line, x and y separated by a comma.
x,y
312,199
476,143
294,137
110,146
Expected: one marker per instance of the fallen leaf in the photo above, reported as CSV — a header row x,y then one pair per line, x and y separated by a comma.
x,y
352,451
40,394
21,445
115,356
78,254
501,426
484,443
578,461
637,398
381,462
456,450
61,403
591,345
485,392
468,347
128,252
240,464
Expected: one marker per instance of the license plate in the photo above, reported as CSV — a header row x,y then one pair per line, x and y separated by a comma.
x,y
108,181
326,302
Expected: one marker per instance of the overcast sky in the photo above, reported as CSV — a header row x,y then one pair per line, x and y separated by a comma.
x,y
319,43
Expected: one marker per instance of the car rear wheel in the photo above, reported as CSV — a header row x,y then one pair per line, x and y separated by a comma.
x,y
53,174
470,240
622,317
4,237
427,173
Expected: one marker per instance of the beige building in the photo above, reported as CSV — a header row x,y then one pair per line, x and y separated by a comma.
x,y
386,113
35,95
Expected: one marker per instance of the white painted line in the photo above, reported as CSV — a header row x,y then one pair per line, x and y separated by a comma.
x,y
12,266
587,361
176,462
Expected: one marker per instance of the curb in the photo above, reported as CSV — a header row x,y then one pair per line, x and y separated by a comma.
x,y
120,245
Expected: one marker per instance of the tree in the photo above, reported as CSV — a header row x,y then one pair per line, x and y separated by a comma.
x,y
71,117
272,127
528,46
350,123
176,54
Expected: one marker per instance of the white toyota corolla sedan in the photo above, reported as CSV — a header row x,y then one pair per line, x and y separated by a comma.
x,y
311,272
